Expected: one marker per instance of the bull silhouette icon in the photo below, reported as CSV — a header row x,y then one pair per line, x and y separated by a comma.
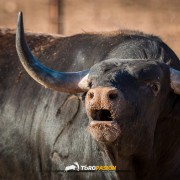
x,y
74,167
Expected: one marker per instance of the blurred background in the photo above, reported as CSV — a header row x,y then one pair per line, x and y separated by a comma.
x,y
67,17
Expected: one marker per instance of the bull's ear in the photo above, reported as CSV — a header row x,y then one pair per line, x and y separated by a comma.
x,y
175,80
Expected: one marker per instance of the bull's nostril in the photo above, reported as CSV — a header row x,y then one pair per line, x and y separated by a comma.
x,y
91,95
112,96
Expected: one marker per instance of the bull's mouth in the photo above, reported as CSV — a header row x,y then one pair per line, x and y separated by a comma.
x,y
103,126
101,115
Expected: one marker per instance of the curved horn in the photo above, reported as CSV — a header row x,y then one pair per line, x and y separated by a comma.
x,y
175,80
70,82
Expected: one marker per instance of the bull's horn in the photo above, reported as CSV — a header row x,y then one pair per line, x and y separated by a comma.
x,y
175,80
71,82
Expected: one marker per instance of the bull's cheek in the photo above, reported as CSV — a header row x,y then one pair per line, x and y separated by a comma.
x,y
104,133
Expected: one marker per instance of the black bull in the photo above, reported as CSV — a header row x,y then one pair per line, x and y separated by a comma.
x,y
42,132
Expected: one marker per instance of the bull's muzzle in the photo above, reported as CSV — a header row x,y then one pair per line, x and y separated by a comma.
x,y
101,106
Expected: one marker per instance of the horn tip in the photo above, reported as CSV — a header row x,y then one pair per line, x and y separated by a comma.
x,y
20,13
20,17
20,26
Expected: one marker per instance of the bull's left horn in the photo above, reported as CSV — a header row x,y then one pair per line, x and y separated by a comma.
x,y
71,82
175,80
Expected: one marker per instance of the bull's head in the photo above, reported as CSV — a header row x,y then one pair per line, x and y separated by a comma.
x,y
120,93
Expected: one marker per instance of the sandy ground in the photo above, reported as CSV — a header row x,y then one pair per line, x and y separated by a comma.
x,y
159,17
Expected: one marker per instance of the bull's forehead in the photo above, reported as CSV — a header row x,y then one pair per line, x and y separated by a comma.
x,y
138,69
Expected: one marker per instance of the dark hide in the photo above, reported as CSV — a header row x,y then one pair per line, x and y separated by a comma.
x,y
42,131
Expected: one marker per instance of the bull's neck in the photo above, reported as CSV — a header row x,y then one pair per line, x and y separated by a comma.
x,y
125,165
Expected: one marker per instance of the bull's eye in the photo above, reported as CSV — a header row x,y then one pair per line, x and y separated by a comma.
x,y
155,87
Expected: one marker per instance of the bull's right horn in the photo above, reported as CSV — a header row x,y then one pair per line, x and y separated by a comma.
x,y
175,80
71,82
